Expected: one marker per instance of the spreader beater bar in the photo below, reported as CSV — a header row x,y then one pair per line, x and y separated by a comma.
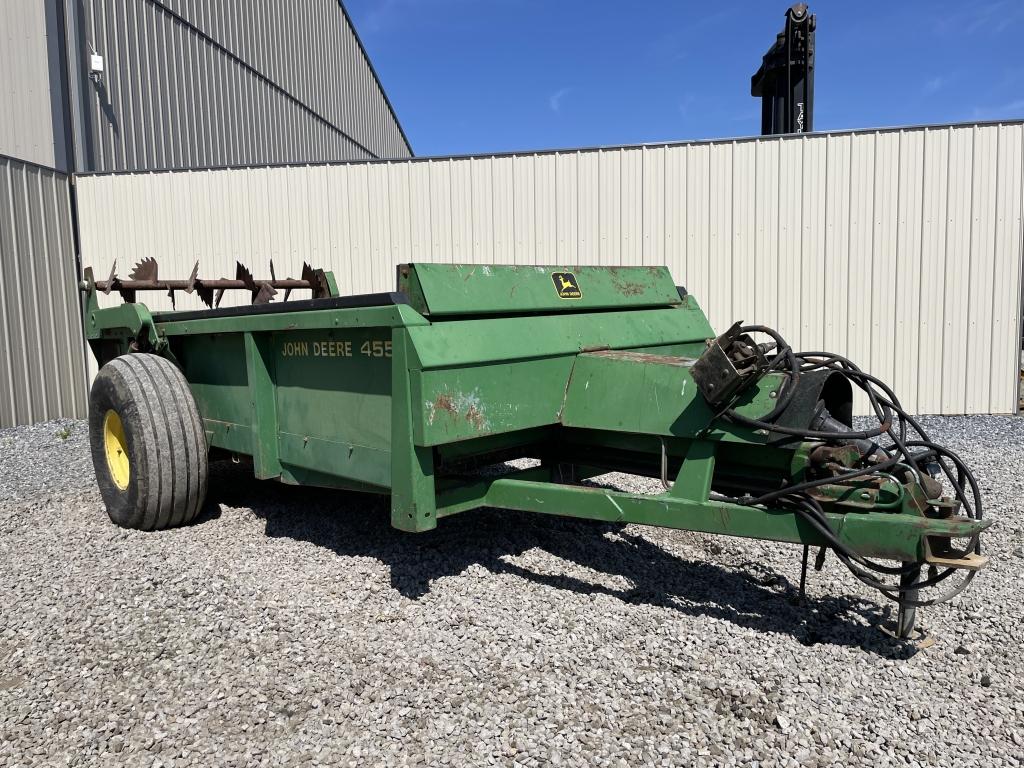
x,y
144,278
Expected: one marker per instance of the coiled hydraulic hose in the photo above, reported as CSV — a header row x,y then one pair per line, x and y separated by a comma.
x,y
895,424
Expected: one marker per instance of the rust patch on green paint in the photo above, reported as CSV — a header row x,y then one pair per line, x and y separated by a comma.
x,y
459,405
444,402
628,289
475,417
623,285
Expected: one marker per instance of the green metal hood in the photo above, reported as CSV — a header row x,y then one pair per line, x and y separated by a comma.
x,y
477,289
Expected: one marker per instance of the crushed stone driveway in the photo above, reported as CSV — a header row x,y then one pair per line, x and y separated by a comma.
x,y
293,626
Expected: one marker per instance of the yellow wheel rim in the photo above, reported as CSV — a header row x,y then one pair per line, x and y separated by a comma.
x,y
117,450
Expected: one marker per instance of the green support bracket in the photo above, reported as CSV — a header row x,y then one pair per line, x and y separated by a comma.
x,y
262,395
129,320
694,479
413,500
332,283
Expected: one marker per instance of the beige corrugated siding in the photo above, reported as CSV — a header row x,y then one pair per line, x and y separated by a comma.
x,y
900,248
42,363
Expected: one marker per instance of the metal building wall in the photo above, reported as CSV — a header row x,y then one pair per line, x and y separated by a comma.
x,y
42,356
900,248
31,87
190,83
311,49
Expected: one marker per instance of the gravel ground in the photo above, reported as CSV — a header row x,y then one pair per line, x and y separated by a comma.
x,y
291,626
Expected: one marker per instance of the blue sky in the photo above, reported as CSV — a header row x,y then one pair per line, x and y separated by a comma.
x,y
468,76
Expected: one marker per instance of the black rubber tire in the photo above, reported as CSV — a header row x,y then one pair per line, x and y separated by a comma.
x,y
166,444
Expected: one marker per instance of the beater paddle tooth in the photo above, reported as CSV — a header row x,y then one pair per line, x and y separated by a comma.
x,y
273,293
127,295
262,292
192,279
205,295
112,278
243,274
288,291
265,295
170,293
317,281
220,295
144,271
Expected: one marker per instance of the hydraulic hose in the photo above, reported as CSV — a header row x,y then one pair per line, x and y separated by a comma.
x,y
895,424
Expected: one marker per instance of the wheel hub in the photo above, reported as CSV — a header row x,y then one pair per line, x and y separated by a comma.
x,y
116,448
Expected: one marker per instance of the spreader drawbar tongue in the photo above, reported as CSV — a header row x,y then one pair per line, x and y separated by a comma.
x,y
144,277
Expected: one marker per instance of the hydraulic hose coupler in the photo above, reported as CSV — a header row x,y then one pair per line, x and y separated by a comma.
x,y
823,421
728,365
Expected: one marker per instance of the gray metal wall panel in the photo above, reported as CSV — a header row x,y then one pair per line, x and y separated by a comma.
x,y
228,83
901,248
310,48
31,90
42,363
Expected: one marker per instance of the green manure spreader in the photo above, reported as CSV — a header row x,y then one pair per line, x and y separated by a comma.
x,y
465,366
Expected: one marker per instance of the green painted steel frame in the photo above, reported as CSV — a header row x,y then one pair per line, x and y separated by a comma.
x,y
896,535
612,376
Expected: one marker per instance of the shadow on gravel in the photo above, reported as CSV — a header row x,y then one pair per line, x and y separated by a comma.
x,y
752,596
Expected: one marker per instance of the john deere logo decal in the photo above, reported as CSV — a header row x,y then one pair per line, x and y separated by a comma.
x,y
566,285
